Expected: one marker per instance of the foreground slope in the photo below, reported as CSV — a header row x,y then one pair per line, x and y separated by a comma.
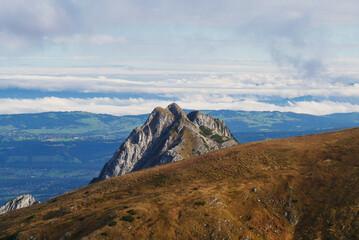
x,y
296,188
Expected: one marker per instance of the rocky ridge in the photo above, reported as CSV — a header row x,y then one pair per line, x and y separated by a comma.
x,y
18,202
168,135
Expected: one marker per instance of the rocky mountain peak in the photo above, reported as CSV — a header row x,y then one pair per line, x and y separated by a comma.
x,y
160,111
168,135
18,202
176,111
193,115
218,126
159,114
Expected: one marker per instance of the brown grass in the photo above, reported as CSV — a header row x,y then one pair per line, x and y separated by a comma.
x,y
189,141
305,188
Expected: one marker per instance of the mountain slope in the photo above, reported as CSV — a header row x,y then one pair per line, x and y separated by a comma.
x,y
295,188
168,135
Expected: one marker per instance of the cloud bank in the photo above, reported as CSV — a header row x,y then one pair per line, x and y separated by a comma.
x,y
134,106
31,22
186,83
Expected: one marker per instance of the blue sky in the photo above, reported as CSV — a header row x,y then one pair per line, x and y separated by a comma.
x,y
127,57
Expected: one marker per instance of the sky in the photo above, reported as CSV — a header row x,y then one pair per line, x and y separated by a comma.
x,y
125,57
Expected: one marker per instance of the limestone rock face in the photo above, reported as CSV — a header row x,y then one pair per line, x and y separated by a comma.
x,y
168,135
18,202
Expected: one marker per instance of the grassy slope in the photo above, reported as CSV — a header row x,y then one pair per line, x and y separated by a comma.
x,y
313,179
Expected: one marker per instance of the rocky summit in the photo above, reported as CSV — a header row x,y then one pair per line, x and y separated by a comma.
x,y
168,135
16,203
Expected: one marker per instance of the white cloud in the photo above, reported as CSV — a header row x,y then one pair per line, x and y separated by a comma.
x,y
132,106
60,19
321,108
226,12
112,106
225,102
183,83
98,39
13,42
31,20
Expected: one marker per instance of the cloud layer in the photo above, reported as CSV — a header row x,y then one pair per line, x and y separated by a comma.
x,y
134,106
181,83
25,23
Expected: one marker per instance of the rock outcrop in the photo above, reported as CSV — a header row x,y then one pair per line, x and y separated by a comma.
x,y
168,135
18,202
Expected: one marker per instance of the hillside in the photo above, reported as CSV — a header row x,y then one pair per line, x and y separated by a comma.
x,y
66,124
250,126
52,125
295,188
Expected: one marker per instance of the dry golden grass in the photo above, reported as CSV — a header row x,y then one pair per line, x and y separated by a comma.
x,y
189,141
295,188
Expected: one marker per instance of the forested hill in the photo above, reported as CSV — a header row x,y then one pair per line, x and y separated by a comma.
x,y
68,124
84,124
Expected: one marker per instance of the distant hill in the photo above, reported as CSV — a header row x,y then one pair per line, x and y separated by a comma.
x,y
250,126
293,188
87,140
66,124
46,154
246,126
